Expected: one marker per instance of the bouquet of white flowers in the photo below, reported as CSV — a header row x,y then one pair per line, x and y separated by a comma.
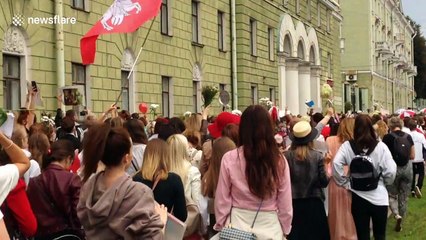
x,y
209,93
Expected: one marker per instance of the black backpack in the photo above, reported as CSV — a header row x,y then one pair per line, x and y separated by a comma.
x,y
363,176
401,149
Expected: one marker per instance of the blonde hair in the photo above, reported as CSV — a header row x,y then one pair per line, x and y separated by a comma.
x,y
382,128
302,151
346,130
155,160
193,122
178,161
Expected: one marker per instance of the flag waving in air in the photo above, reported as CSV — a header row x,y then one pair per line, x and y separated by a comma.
x,y
123,16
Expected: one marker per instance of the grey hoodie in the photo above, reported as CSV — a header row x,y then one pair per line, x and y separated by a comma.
x,y
123,211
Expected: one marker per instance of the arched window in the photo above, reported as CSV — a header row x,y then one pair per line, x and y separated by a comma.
x,y
300,51
287,45
15,72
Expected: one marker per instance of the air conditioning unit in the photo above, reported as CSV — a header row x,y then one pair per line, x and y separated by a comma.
x,y
351,77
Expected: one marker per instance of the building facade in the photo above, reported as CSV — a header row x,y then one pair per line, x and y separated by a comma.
x,y
377,63
251,49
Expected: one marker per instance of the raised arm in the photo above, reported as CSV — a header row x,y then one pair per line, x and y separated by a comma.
x,y
15,154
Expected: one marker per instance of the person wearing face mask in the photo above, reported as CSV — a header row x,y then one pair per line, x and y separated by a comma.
x,y
55,193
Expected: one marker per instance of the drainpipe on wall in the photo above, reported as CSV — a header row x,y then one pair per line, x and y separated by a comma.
x,y
234,57
60,50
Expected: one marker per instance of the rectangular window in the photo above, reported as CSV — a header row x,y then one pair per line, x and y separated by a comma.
x,y
220,30
165,96
12,82
195,95
79,4
165,17
125,100
272,94
297,6
195,22
329,65
79,77
253,37
319,14
309,3
328,21
271,45
254,98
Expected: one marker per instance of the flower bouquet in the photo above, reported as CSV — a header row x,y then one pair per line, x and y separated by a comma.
x,y
153,110
266,103
209,93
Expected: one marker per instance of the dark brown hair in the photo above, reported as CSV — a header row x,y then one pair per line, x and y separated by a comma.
x,y
231,131
59,151
43,127
264,165
22,116
211,177
106,144
136,130
364,134
68,125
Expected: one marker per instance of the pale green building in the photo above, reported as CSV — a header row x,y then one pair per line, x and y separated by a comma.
x,y
284,50
377,63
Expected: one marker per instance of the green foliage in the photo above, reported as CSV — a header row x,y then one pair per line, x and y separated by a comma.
x,y
419,43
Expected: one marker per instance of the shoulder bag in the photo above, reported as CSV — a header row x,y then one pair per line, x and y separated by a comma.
x,y
230,233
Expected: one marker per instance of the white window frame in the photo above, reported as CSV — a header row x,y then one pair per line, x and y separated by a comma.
x,y
253,37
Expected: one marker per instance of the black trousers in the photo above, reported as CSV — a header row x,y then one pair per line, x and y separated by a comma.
x,y
418,168
362,212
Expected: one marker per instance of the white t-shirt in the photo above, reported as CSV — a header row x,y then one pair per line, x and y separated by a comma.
x,y
9,176
419,143
33,171
137,151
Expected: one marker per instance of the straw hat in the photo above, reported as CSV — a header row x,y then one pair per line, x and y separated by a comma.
x,y
303,133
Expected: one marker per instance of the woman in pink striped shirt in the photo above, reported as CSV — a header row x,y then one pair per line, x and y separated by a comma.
x,y
255,176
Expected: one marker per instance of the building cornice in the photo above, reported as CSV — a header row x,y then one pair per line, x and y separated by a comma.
x,y
331,4
395,8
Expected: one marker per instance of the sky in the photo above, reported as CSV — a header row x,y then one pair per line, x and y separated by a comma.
x,y
416,10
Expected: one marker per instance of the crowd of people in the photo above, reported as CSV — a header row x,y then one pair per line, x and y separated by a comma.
x,y
121,176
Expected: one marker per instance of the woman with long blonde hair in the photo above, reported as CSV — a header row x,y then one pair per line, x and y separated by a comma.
x,y
166,186
339,199
179,164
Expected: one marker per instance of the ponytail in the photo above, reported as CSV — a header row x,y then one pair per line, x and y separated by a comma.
x,y
94,148
60,150
105,144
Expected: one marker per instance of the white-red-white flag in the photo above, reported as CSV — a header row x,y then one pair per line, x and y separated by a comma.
x,y
123,16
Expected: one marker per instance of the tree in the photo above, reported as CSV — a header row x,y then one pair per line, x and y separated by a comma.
x,y
419,43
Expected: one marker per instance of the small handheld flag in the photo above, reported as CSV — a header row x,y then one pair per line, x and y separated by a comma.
x,y
310,103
